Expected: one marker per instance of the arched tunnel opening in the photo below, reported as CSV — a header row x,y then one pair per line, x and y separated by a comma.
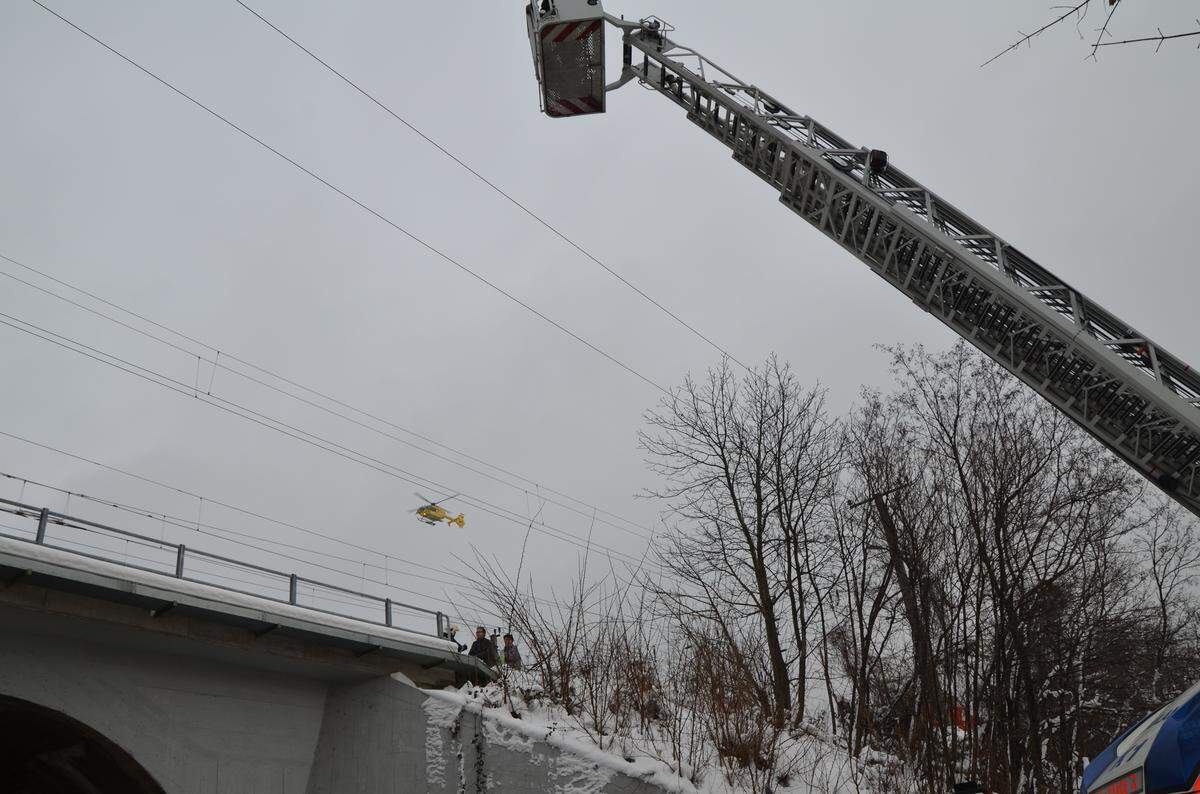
x,y
43,751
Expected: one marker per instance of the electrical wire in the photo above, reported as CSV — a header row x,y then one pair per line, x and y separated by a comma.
x,y
215,363
200,528
269,373
358,203
365,207
499,190
183,523
237,409
191,525
199,557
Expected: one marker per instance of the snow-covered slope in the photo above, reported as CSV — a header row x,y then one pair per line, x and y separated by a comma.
x,y
515,715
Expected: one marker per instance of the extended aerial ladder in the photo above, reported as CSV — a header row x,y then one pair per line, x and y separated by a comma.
x,y
1127,391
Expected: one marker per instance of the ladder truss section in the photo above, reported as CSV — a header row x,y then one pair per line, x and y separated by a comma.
x,y
1128,392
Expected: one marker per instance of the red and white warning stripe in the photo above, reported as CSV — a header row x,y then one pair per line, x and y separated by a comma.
x,y
570,31
572,107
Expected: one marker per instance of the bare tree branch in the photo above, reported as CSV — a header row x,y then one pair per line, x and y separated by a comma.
x,y
1161,38
1079,8
1113,5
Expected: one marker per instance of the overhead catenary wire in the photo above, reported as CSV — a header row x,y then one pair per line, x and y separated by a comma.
x,y
258,515
200,558
185,525
357,202
292,431
215,364
496,188
218,353
388,556
219,532
235,408
381,217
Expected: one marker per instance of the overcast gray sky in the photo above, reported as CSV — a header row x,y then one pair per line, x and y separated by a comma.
x,y
113,183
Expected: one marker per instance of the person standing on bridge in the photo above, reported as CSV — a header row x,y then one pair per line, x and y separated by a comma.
x,y
484,648
512,656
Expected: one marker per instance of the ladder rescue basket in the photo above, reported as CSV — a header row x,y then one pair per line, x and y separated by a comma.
x,y
567,38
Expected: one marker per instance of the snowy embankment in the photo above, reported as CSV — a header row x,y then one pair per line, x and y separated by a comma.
x,y
581,767
525,721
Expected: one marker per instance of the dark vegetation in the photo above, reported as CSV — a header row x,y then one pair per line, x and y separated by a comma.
x,y
952,582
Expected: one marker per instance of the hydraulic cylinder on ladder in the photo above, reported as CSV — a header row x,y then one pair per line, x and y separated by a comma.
x,y
1126,390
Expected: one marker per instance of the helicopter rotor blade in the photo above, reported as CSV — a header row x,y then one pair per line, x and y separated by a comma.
x,y
424,498
447,499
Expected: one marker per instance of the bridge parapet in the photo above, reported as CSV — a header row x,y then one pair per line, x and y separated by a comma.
x,y
150,596
93,540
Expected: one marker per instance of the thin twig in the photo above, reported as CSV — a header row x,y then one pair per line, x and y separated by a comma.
x,y
1073,10
1114,5
1160,38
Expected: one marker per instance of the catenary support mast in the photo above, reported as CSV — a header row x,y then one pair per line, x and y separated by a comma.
x,y
1136,398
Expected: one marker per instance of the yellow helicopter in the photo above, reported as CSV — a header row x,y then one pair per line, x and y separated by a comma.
x,y
432,512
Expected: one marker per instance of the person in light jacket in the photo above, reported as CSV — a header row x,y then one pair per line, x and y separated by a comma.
x,y
451,634
512,656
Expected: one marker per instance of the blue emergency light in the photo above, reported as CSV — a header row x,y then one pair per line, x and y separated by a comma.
x,y
1159,755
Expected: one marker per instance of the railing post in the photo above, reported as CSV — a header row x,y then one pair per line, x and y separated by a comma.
x,y
387,611
441,624
179,561
292,589
42,520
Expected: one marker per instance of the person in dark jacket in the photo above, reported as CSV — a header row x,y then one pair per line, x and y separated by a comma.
x,y
483,648
512,656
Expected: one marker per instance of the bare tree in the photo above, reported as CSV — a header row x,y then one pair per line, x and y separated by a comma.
x,y
865,601
1170,547
747,466
1037,498
907,522
952,563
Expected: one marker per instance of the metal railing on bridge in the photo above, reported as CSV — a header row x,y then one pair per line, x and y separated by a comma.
x,y
189,564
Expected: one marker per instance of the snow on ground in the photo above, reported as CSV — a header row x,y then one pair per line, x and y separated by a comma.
x,y
821,765
581,768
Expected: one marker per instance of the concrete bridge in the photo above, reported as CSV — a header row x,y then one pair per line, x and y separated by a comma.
x,y
115,678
